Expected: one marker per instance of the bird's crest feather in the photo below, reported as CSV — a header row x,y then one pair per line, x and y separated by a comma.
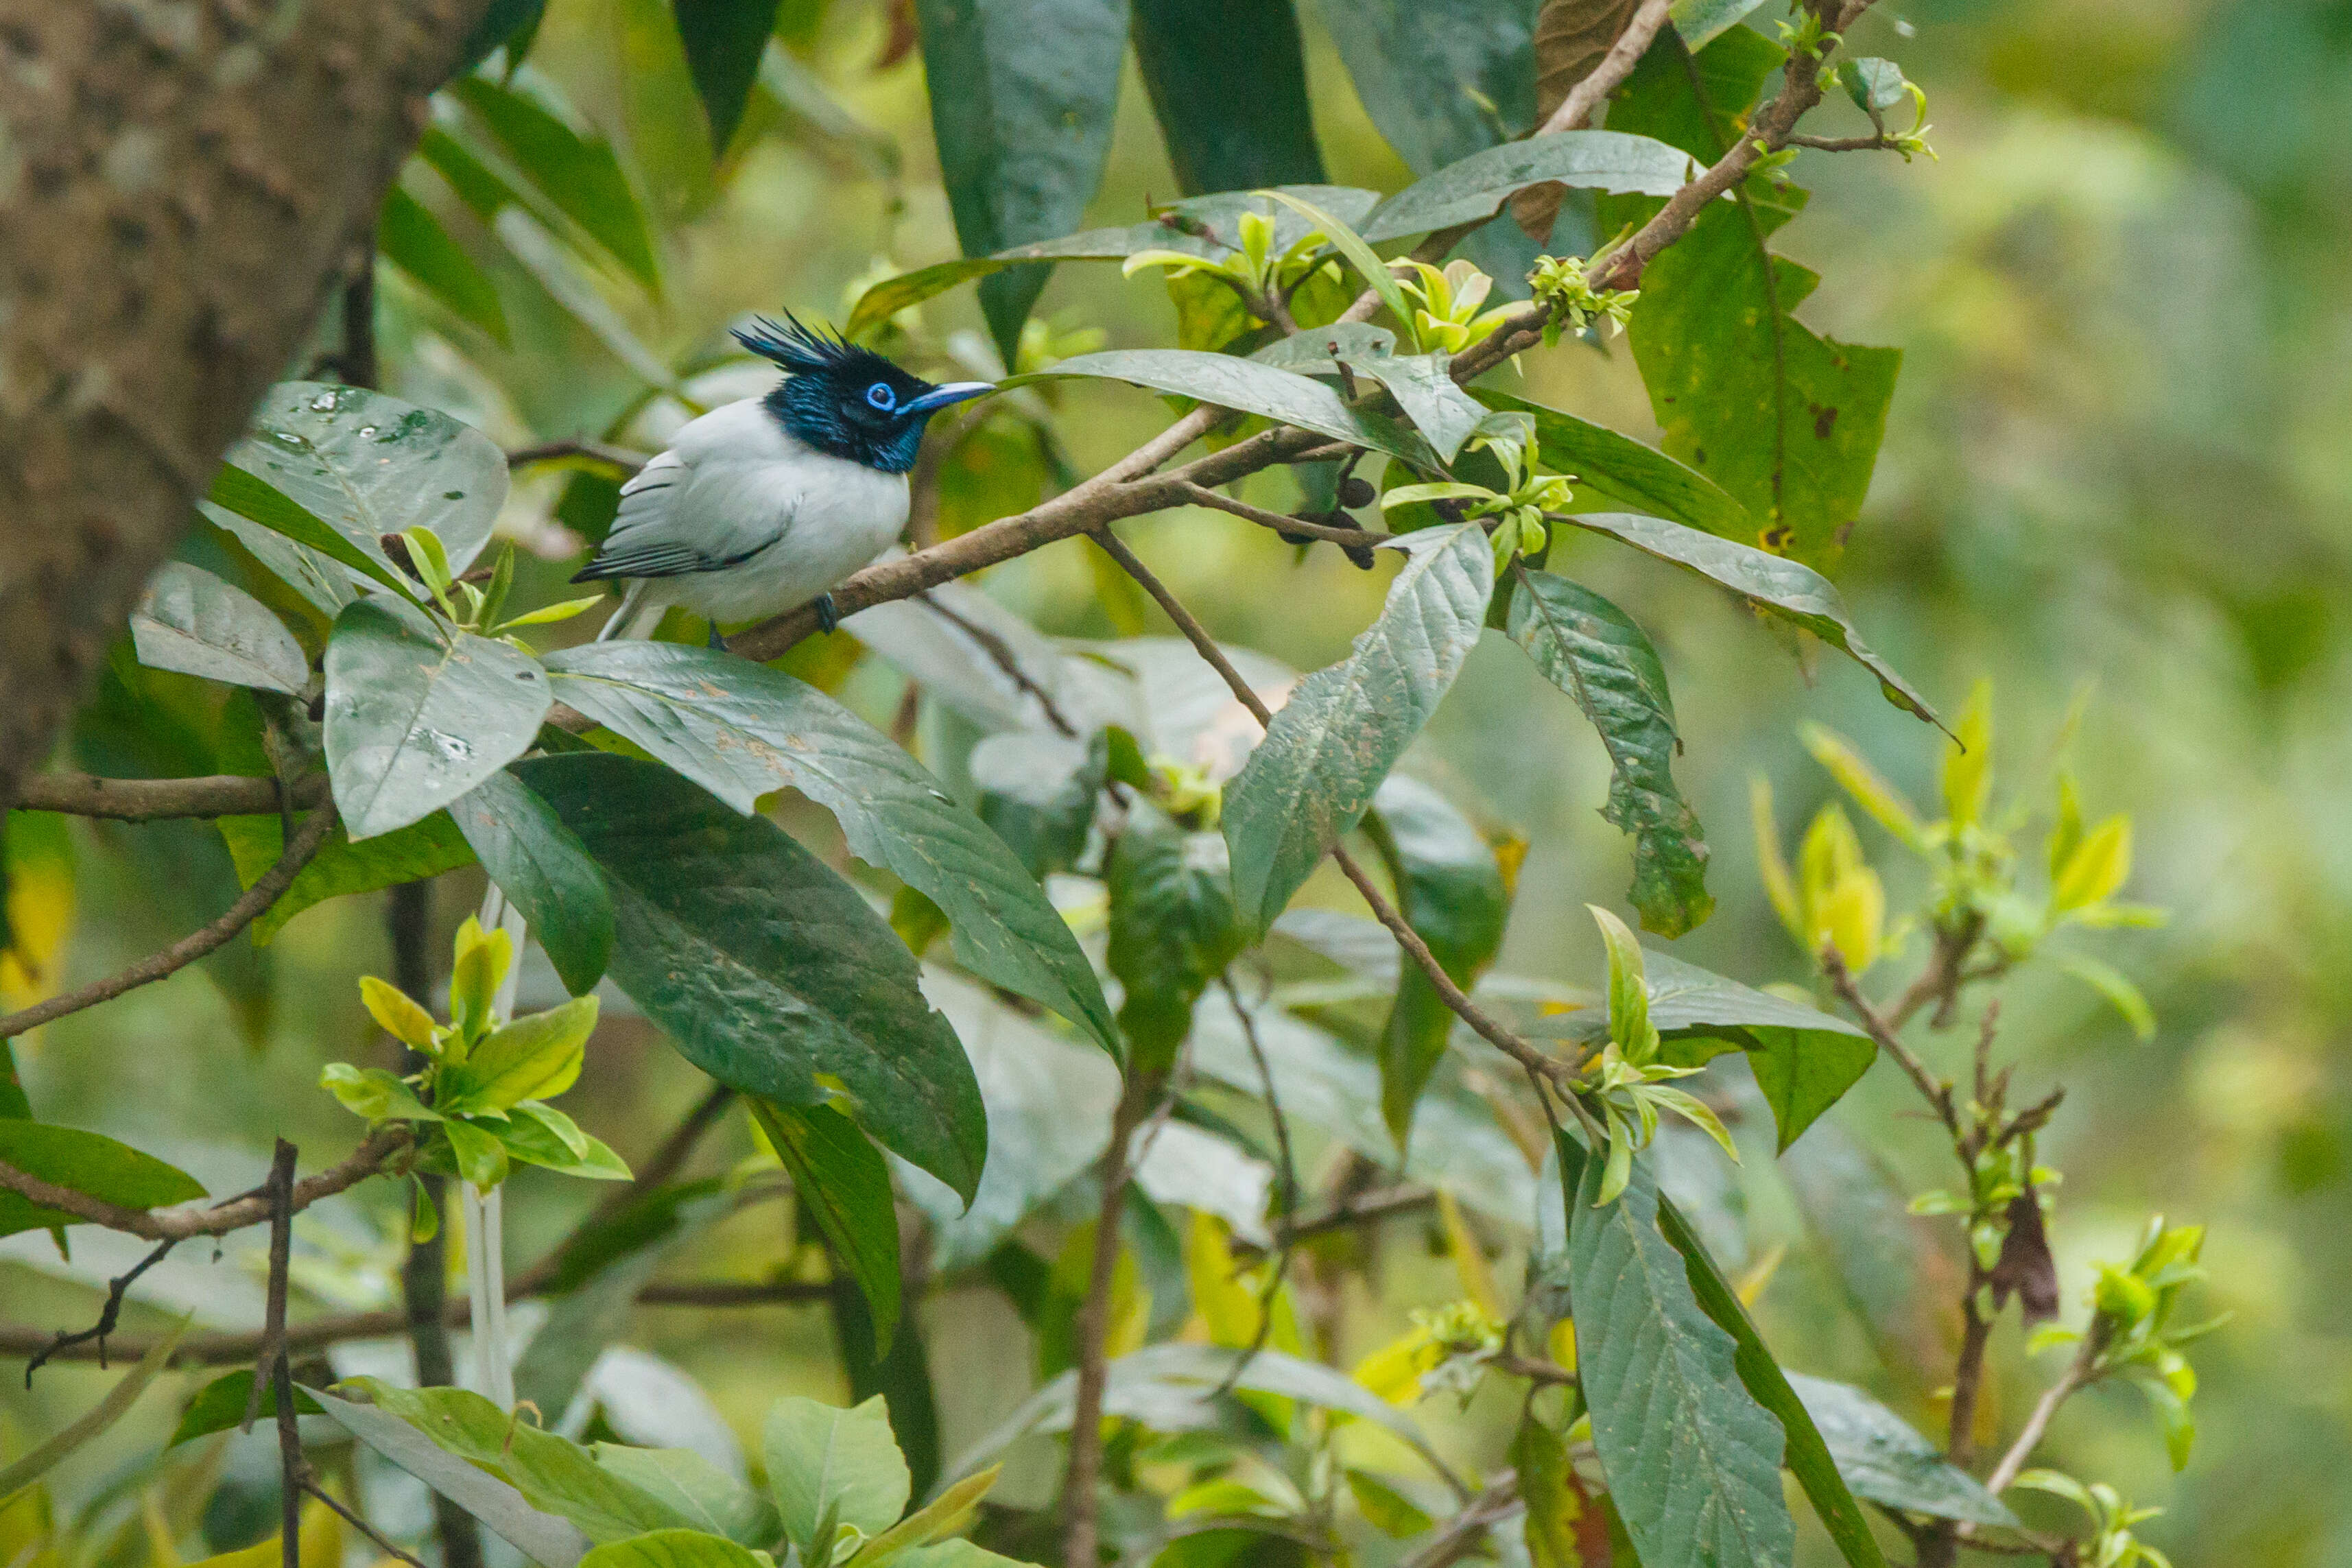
x,y
801,349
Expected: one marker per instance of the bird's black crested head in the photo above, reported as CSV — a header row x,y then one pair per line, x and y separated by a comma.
x,y
846,400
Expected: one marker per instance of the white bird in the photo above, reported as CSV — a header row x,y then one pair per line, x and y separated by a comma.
x,y
761,506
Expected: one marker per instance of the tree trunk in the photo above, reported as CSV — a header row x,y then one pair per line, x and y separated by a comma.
x,y
182,184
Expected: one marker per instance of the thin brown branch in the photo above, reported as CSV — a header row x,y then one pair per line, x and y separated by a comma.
x,y
1614,67
999,653
1281,523
1882,143
1364,1208
1533,1369
152,800
350,1517
1460,1536
108,1315
236,1214
620,458
192,947
1082,1476
2078,1373
666,1161
1936,1091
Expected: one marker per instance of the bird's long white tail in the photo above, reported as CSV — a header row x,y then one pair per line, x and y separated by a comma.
x,y
486,1275
636,619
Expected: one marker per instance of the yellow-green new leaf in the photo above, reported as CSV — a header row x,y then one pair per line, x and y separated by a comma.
x,y
1629,999
1967,761
1862,781
2098,869
481,1158
399,1014
945,1515
534,1058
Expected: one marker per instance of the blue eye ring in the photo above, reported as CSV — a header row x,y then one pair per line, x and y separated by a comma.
x,y
879,395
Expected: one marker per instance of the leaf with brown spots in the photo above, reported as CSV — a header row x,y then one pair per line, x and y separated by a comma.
x,y
1571,37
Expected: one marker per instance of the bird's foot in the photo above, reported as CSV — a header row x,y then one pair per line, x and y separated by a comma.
x,y
828,618
717,641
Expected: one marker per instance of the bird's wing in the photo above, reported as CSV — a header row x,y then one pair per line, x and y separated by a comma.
x,y
681,514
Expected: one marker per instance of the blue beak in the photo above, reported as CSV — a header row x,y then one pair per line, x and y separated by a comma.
x,y
939,398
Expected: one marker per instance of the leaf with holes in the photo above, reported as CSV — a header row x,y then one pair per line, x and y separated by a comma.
x,y
743,730
1312,777
417,713
1592,651
768,970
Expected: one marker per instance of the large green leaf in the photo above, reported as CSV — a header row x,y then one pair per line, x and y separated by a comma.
x,y
412,239
767,970
579,174
292,541
220,1405
1901,1273
1023,93
724,40
408,854
1788,421
1424,388
743,730
1172,929
844,1185
1206,226
545,1538
1478,187
1787,589
191,621
544,869
417,713
693,1488
1228,83
1311,778
1692,1461
826,1463
1884,1459
369,465
1592,651
673,1548
1449,887
1809,1459
86,1163
1441,79
1239,384
1618,470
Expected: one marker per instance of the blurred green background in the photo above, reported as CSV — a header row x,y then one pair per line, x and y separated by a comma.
x,y
2120,457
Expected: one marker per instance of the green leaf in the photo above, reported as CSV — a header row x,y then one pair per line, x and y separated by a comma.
x,y
1787,589
1450,889
1352,246
1441,79
1717,309
1311,778
1592,651
1476,187
552,1473
220,1405
242,496
418,714
14,1106
540,1134
1228,85
767,970
1622,471
1207,227
545,871
724,40
536,1056
1898,1272
743,730
411,238
958,1554
842,1183
1888,1463
369,465
1701,21
1172,929
379,1094
436,1451
673,1548
1023,94
479,1154
1242,385
1424,388
695,1489
944,1515
87,1163
1693,1462
39,1461
1318,351
191,621
580,175
410,854
826,1463
1808,1456
2111,983
1547,1486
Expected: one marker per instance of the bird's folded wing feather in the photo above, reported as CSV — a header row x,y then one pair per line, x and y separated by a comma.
x,y
678,517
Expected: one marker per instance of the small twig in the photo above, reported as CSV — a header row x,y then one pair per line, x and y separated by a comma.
x,y
1614,67
107,1317
1533,1369
551,451
277,1191
1882,143
1281,523
1936,1091
236,1214
1460,1536
188,949
1001,654
2078,1373
352,1518
281,1370
1364,1208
